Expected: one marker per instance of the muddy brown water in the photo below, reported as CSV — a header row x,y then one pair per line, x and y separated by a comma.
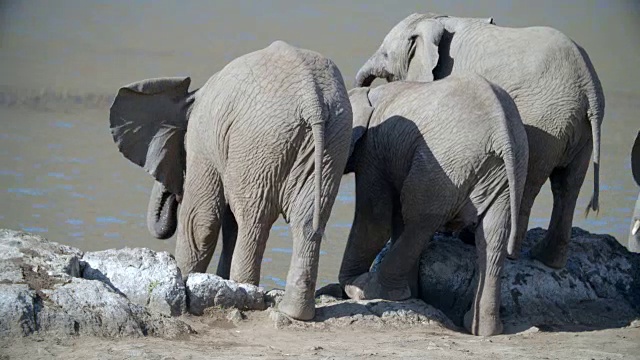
x,y
60,62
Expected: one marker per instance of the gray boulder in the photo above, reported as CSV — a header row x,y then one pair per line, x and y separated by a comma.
x,y
209,290
599,287
335,312
17,313
26,258
91,307
145,277
41,290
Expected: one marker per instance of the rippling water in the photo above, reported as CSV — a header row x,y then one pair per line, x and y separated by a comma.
x,y
61,175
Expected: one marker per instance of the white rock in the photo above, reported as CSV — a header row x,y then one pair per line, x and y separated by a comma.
x,y
146,277
208,290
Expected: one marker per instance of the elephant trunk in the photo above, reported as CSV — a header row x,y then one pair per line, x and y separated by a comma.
x,y
372,69
162,212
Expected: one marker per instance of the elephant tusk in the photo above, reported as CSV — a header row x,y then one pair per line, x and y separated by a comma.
x,y
636,227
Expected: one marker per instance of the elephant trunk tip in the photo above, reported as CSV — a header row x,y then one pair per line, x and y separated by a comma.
x,y
364,80
162,213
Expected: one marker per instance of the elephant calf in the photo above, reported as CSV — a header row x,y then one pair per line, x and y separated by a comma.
x,y
267,135
450,153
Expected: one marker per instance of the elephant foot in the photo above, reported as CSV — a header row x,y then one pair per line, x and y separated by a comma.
x,y
550,257
487,325
299,309
333,290
367,287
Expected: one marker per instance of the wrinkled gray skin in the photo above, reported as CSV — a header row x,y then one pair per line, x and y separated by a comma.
x,y
422,162
551,80
267,135
634,233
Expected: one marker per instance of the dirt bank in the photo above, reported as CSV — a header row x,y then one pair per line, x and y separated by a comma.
x,y
257,336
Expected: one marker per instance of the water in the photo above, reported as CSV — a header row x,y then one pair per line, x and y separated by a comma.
x,y
60,62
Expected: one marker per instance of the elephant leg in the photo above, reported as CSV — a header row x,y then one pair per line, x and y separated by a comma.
x,y
423,209
299,297
254,220
398,229
298,301
565,186
229,235
533,185
370,230
398,272
492,236
200,215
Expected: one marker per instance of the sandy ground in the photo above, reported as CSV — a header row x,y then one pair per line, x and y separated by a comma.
x,y
257,336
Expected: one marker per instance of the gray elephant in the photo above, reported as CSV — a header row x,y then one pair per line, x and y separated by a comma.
x,y
551,80
634,233
269,134
451,153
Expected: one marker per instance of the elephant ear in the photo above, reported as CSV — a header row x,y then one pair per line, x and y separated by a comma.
x,y
148,124
635,159
423,51
362,111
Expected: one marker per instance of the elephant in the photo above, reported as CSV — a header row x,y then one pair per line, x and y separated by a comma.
x,y
550,78
447,154
634,233
267,135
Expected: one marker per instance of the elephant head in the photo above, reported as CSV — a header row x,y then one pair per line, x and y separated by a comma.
x,y
362,110
634,236
148,122
410,51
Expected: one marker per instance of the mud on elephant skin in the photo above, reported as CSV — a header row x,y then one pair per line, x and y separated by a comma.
x,y
552,82
422,162
267,135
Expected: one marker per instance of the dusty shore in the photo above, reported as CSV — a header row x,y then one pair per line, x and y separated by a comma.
x,y
256,336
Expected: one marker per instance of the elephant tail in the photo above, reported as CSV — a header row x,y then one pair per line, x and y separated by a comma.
x,y
595,115
317,128
511,144
516,188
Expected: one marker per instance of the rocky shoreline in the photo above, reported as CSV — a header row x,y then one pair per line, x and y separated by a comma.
x,y
49,288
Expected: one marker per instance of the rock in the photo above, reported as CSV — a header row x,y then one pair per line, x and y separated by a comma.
x,y
378,313
144,276
41,292
208,290
17,313
22,255
599,287
367,313
273,297
279,319
235,316
90,307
